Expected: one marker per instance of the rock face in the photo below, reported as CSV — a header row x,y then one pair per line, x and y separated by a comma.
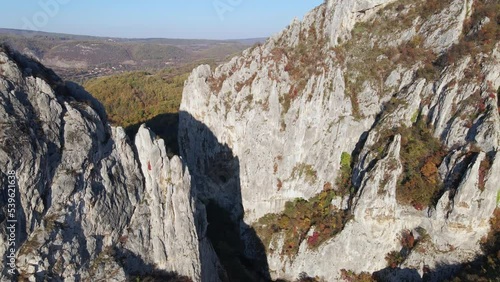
x,y
342,16
90,205
408,90
337,82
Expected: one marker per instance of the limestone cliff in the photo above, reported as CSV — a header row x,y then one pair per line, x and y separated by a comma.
x,y
90,205
361,78
363,138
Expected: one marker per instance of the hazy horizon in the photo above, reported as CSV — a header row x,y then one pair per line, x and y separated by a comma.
x,y
125,38
203,19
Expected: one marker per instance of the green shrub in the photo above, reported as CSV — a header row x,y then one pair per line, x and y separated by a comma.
x,y
344,179
351,276
297,220
345,160
421,154
394,259
414,117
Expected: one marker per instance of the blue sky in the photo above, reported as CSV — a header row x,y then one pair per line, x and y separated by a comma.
x,y
210,19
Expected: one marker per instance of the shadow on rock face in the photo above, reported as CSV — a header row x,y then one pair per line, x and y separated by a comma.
x,y
442,272
397,274
148,272
165,126
215,173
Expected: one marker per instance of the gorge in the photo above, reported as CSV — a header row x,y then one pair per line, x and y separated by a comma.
x,y
362,139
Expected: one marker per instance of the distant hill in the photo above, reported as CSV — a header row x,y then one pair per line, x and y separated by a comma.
x,y
80,57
